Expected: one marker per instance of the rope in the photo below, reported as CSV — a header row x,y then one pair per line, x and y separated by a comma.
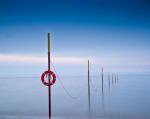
x,y
67,92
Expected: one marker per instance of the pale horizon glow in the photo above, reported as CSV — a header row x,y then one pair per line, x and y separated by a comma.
x,y
113,64
103,61
41,59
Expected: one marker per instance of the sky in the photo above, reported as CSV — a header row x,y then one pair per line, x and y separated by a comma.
x,y
114,34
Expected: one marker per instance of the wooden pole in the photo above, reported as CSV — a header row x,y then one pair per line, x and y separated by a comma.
x,y
112,79
115,78
102,81
89,100
49,78
102,78
109,80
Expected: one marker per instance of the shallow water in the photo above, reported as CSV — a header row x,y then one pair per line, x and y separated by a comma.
x,y
26,98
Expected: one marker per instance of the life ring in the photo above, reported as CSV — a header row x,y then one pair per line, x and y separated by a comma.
x,y
52,80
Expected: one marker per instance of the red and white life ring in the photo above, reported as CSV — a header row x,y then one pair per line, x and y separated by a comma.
x,y
52,80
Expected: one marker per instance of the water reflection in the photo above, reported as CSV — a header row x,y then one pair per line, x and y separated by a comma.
x,y
128,98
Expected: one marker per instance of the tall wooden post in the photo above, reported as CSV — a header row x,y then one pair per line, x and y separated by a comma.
x,y
89,100
49,78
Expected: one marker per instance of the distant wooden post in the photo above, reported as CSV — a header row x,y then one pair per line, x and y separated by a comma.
x,y
109,80
116,78
112,79
89,99
102,81
103,104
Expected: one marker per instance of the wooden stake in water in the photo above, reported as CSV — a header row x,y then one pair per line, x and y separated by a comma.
x,y
89,100
103,104
112,78
49,78
109,80
102,81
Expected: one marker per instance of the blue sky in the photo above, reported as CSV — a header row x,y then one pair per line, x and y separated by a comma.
x,y
112,33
